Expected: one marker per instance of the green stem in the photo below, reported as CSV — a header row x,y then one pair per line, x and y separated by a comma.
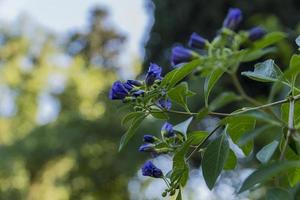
x,y
291,128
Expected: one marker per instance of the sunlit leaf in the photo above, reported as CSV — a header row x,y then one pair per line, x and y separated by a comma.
x,y
269,39
231,161
183,126
265,154
180,93
266,71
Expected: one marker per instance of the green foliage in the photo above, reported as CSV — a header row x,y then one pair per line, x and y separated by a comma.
x,y
247,121
278,194
214,159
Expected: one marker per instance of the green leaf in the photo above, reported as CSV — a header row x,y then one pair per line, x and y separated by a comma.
x,y
269,39
238,125
278,194
214,159
131,131
254,54
294,67
266,172
298,41
173,77
223,99
266,71
210,82
195,137
183,126
231,161
202,113
180,93
130,116
158,114
265,154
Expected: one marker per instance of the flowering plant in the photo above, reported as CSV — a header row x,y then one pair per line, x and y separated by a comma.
x,y
212,60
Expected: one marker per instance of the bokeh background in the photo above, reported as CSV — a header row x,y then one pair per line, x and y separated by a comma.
x,y
59,133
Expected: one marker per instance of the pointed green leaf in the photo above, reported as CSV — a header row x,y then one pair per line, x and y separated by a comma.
x,y
231,161
278,194
238,125
180,93
267,172
176,75
202,113
131,131
210,82
266,71
294,67
130,116
223,99
214,159
265,154
269,39
183,126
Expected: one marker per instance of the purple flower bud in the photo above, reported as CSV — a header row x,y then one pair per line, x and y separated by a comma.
x,y
181,55
134,82
196,41
149,169
153,74
256,33
147,148
233,18
164,104
149,138
138,93
167,130
118,91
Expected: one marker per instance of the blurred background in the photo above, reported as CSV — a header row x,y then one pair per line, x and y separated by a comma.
x,y
59,133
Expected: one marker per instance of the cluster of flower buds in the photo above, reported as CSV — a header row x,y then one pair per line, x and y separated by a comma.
x,y
132,89
232,21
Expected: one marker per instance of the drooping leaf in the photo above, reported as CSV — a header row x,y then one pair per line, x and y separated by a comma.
x,y
265,154
269,39
210,82
131,130
238,125
180,93
176,75
196,137
266,172
183,126
231,161
130,116
223,99
266,71
278,194
214,159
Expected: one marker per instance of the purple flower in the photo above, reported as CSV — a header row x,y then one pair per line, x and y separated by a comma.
x,y
233,18
181,55
164,104
138,93
167,130
196,41
149,169
147,148
119,90
256,33
149,138
153,74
